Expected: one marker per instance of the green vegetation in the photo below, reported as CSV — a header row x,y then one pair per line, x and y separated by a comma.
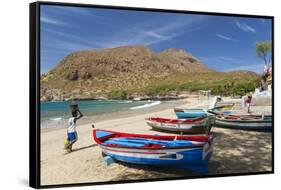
x,y
263,50
118,94
243,88
238,88
222,84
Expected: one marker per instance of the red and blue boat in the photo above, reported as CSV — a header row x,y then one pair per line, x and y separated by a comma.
x,y
184,152
198,125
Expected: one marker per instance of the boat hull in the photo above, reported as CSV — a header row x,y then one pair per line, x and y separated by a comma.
x,y
185,128
256,125
192,158
199,125
189,113
223,106
185,115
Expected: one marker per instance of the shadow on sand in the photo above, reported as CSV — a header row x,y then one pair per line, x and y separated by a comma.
x,y
238,151
84,147
235,152
149,172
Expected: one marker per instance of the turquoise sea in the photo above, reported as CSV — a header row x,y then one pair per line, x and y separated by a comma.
x,y
55,114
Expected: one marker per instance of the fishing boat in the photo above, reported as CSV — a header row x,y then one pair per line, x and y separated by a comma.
x,y
217,112
197,125
223,107
184,152
247,122
189,113
197,112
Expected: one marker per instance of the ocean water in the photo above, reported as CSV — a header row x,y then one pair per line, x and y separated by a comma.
x,y
56,114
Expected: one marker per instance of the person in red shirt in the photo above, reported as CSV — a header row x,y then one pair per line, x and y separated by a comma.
x,y
249,102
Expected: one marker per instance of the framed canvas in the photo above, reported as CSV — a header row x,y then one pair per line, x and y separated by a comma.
x,y
121,94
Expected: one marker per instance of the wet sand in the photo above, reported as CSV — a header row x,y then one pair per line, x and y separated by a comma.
x,y
235,151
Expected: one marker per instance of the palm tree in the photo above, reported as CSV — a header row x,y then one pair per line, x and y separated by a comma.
x,y
263,50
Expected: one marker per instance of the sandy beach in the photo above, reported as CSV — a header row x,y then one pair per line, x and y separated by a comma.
x,y
235,151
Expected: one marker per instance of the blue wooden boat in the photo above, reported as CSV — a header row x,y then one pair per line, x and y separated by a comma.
x,y
197,112
184,152
189,113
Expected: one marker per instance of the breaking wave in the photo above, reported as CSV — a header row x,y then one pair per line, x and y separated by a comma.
x,y
146,105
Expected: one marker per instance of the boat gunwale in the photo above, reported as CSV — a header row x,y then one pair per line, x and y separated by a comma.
x,y
208,139
248,120
192,130
196,120
189,109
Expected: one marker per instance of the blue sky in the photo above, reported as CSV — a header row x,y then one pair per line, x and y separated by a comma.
x,y
222,42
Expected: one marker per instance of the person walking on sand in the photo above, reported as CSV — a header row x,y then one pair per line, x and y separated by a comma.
x,y
249,102
72,136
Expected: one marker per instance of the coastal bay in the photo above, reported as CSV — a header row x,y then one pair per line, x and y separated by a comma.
x,y
235,151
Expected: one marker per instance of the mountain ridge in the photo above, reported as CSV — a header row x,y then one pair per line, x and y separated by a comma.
x,y
101,72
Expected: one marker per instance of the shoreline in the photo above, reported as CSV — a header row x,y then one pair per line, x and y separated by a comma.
x,y
135,99
235,151
87,120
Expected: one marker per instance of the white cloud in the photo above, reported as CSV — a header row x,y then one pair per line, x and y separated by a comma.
x,y
245,27
53,21
224,58
220,59
226,38
87,13
148,32
72,38
73,46
66,46
152,32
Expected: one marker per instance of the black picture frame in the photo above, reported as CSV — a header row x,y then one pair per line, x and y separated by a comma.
x,y
34,91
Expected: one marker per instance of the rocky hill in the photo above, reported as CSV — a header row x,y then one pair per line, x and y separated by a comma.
x,y
105,73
